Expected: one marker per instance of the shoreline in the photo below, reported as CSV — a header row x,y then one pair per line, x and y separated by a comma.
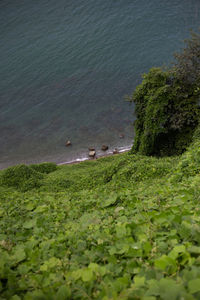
x,y
107,153
85,157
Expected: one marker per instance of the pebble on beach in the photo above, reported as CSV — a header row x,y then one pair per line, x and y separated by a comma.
x,y
115,151
92,153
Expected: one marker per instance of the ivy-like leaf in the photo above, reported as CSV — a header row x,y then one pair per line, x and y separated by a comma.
x,y
63,293
194,285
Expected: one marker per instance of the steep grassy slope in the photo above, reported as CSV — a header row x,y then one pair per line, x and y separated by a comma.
x,y
121,227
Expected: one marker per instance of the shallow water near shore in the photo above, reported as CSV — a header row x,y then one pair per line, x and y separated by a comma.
x,y
66,66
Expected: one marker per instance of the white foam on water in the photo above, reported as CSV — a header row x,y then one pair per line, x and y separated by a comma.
x,y
73,161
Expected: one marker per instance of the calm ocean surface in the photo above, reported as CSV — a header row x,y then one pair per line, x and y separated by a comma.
x,y
66,65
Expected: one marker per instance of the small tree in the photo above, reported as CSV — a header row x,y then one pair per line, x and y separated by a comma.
x,y
187,65
167,105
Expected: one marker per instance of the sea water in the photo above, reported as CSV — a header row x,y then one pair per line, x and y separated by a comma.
x,y
66,66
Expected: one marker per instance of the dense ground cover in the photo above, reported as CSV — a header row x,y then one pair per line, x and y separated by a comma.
x,y
121,227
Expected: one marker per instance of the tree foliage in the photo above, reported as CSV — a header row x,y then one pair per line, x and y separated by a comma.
x,y
167,105
187,66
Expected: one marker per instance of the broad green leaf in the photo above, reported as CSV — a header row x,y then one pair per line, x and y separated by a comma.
x,y
76,274
175,252
112,250
63,293
194,285
94,267
161,263
36,294
89,218
15,297
19,254
87,275
51,263
147,248
185,229
109,201
30,206
166,262
153,288
121,230
120,283
139,281
44,268
40,208
30,224
169,289
102,270
194,249
23,269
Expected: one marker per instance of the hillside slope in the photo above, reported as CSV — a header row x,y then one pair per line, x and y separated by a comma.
x,y
121,227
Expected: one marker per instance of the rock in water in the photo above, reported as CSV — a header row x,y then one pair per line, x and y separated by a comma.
x,y
115,151
92,153
104,148
91,149
68,143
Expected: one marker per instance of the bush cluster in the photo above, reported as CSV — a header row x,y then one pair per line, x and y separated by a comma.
x,y
46,167
24,178
167,105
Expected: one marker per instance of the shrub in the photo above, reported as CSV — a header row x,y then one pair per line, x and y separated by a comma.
x,y
187,66
166,115
21,177
46,167
167,104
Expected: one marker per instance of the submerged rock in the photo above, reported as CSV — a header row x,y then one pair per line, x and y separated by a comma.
x,y
104,148
68,143
121,136
91,149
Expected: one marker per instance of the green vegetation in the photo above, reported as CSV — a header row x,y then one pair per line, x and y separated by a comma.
x,y
44,167
167,105
24,177
121,227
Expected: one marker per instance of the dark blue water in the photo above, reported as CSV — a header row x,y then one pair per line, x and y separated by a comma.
x,y
65,67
